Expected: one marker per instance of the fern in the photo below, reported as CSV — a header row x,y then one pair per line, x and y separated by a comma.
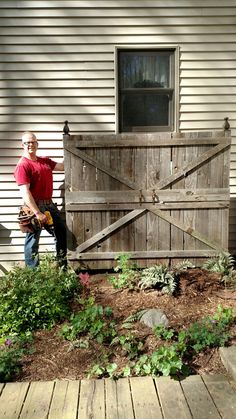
x,y
158,276
183,266
222,264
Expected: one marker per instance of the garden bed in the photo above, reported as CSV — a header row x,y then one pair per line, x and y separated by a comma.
x,y
199,294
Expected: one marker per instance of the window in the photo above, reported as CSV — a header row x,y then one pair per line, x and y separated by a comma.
x,y
146,90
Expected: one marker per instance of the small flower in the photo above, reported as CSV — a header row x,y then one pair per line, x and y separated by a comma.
x,y
84,279
8,342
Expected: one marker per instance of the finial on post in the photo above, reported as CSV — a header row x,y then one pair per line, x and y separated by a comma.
x,y
66,128
226,124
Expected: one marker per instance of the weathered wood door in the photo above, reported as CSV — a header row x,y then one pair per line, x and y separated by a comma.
x,y
157,196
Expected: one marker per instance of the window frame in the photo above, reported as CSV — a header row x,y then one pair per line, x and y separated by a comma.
x,y
174,110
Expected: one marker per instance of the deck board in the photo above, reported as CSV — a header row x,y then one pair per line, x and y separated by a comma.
x,y
92,399
65,399
38,400
118,399
175,406
196,397
145,400
223,395
12,399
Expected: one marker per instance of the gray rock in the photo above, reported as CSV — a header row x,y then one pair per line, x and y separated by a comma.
x,y
154,317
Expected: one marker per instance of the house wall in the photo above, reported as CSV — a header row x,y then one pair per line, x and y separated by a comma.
x,y
57,63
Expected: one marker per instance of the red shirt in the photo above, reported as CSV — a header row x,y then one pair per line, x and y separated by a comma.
x,y
38,174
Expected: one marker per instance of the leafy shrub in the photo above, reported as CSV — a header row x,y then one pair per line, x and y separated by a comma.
x,y
99,370
166,360
92,320
130,344
127,273
158,276
35,298
11,351
210,331
223,263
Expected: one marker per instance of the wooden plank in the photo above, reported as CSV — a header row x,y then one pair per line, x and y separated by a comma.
x,y
223,394
118,399
140,177
177,236
65,400
117,196
143,141
12,399
198,398
172,399
110,229
125,235
38,400
103,184
149,207
91,399
145,400
144,254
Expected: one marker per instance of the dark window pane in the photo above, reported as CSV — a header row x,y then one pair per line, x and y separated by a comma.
x,y
144,110
147,69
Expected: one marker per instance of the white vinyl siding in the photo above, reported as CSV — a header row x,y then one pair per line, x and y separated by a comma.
x,y
57,63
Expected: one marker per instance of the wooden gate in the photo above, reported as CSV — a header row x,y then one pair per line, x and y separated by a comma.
x,y
160,197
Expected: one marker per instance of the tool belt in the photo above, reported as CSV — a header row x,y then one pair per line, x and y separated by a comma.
x,y
27,220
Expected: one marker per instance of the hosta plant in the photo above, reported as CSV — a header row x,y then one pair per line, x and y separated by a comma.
x,y
222,264
158,276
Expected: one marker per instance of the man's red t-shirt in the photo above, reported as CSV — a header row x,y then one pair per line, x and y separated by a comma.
x,y
38,174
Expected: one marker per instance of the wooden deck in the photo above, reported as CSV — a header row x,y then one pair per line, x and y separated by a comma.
x,y
142,397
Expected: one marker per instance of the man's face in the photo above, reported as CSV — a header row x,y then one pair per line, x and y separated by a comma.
x,y
30,144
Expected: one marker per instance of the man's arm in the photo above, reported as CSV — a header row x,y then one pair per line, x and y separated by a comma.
x,y
59,167
30,202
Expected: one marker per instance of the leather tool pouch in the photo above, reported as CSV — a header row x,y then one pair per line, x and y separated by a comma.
x,y
27,220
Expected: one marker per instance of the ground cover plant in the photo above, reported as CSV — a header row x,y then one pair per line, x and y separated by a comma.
x,y
85,325
31,299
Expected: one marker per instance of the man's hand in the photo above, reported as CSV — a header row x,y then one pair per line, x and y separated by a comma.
x,y
41,217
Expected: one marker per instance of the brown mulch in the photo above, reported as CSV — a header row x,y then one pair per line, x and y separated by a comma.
x,y
200,292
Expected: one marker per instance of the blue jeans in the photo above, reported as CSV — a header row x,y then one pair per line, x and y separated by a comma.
x,y
32,239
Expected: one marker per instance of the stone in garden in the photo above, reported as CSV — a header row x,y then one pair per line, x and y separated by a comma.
x,y
154,317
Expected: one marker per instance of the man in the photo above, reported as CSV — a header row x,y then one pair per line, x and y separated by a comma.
x,y
34,177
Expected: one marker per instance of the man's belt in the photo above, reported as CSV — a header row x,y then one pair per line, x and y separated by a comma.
x,y
44,202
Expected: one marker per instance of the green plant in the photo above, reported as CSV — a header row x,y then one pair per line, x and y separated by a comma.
x,y
127,273
166,360
169,359
230,278
158,276
12,349
222,264
93,320
131,346
35,298
183,266
211,331
98,370
163,332
127,324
